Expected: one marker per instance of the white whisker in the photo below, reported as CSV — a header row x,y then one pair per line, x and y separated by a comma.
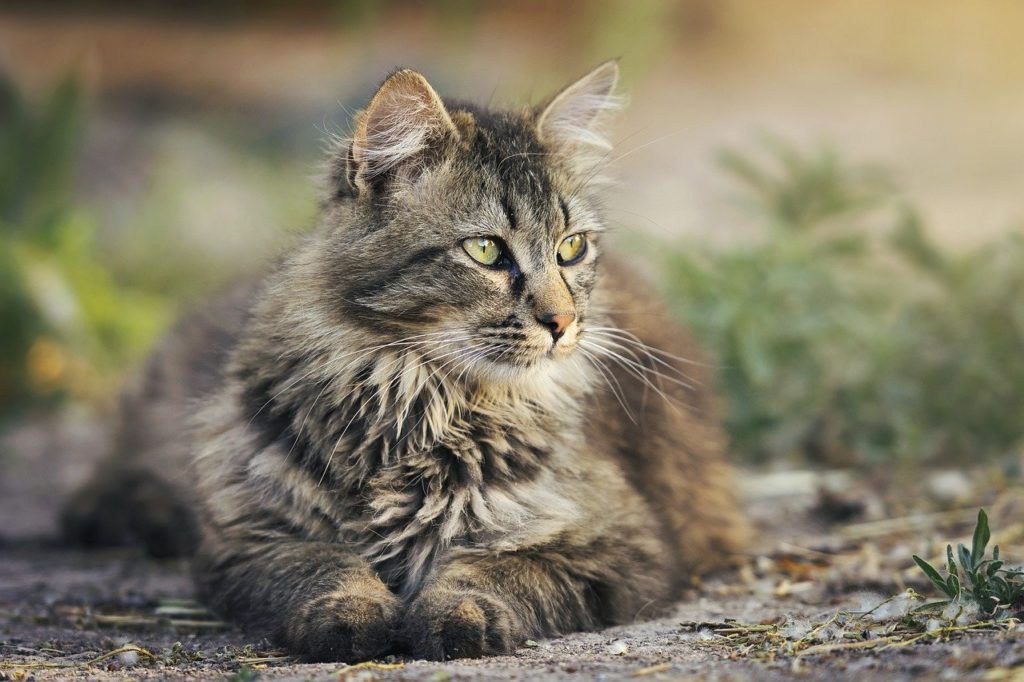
x,y
608,378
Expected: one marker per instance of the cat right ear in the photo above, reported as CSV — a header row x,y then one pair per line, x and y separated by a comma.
x,y
402,119
572,119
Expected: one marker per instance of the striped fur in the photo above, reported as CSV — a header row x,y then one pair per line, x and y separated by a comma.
x,y
394,452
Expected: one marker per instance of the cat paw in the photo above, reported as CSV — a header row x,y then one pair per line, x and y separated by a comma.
x,y
445,623
349,626
123,506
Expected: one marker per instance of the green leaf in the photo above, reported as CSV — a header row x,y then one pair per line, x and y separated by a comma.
x,y
979,586
932,574
930,606
981,537
992,567
953,585
950,562
991,606
911,241
995,552
965,558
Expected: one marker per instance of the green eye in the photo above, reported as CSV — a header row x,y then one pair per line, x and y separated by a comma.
x,y
483,250
572,249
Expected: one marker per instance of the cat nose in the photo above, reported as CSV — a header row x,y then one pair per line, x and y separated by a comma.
x,y
557,323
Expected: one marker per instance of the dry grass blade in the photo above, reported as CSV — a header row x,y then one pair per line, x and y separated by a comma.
x,y
128,621
271,658
902,639
32,665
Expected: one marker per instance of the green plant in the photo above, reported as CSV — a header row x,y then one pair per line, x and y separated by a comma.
x,y
87,284
68,326
982,580
842,333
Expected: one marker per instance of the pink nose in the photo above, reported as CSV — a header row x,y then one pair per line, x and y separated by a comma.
x,y
556,322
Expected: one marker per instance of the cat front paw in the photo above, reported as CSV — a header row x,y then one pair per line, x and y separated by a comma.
x,y
347,626
445,623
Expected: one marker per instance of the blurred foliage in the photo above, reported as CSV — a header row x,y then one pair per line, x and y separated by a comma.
x,y
210,210
87,284
67,326
843,335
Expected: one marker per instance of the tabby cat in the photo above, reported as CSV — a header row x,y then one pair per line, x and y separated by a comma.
x,y
444,422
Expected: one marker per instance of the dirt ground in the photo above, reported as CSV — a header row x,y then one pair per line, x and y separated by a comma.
x,y
800,607
54,602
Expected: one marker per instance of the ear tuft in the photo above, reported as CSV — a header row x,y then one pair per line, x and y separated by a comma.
x,y
573,117
401,120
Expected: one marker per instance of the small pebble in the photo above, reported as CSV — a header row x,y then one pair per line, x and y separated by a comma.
x,y
128,659
617,648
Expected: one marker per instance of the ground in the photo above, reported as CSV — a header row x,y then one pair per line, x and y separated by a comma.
x,y
800,606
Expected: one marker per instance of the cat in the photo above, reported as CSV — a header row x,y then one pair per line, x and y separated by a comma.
x,y
446,421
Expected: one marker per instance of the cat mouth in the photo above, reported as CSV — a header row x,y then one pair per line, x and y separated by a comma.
x,y
528,356
560,351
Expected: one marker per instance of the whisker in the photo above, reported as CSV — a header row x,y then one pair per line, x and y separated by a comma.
x,y
302,424
632,368
337,444
424,359
360,351
471,352
684,380
608,377
633,338
609,345
356,413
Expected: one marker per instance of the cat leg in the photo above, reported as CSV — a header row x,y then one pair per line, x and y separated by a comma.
x,y
480,604
123,505
319,600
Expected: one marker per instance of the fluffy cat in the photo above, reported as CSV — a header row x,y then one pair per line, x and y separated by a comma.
x,y
438,425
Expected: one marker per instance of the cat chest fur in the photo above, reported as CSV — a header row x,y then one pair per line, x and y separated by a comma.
x,y
407,469
485,487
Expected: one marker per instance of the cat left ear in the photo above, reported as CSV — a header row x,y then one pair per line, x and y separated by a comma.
x,y
402,119
572,118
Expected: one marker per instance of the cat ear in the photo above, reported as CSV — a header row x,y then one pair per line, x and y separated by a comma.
x,y
402,119
572,118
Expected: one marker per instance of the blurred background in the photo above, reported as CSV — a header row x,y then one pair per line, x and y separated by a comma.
x,y
830,194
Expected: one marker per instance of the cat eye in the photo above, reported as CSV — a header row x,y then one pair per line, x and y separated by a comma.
x,y
483,250
572,249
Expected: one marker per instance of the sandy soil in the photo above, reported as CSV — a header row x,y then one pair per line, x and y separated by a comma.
x,y
110,615
51,600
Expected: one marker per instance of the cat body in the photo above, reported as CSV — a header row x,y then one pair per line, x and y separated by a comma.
x,y
434,426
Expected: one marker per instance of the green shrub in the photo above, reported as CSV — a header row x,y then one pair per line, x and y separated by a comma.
x,y
67,327
993,588
843,334
86,287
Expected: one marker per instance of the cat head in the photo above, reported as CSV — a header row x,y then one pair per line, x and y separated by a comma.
x,y
467,230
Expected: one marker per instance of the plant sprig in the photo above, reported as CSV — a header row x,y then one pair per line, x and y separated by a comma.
x,y
970,575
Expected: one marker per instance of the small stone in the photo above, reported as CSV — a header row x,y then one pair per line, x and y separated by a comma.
x,y
128,659
949,486
617,648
